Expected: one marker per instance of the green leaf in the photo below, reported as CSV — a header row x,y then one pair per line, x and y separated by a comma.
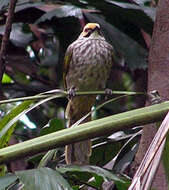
x,y
7,180
47,157
97,182
105,174
6,79
43,179
123,186
54,125
7,136
11,118
26,4
8,123
125,157
149,11
125,160
120,17
63,11
21,78
103,152
17,36
8,120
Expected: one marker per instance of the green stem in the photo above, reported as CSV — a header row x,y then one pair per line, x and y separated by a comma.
x,y
24,98
84,131
61,93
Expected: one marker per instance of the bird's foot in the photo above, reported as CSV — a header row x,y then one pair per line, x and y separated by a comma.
x,y
71,92
154,97
108,93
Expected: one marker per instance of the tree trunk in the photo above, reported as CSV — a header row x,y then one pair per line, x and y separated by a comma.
x,y
158,79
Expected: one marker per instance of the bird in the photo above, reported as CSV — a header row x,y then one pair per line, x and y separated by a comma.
x,y
87,65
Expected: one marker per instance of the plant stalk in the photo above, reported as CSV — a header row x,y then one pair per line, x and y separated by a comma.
x,y
84,131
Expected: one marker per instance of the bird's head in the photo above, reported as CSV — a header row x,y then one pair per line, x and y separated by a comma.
x,y
91,29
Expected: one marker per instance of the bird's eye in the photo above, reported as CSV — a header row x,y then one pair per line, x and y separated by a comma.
x,y
87,29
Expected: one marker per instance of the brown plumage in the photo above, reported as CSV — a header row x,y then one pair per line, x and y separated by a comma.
x,y
87,65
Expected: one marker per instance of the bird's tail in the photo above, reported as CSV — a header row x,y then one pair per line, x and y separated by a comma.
x,y
78,153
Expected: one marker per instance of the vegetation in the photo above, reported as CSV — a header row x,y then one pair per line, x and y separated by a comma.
x,y
33,98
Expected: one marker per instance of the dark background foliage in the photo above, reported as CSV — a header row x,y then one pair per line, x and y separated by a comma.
x,y
41,32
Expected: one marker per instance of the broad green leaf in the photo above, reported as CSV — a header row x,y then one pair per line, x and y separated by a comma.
x,y
149,11
63,11
43,179
103,151
119,16
105,174
106,148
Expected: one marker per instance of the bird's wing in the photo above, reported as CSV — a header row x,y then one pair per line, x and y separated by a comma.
x,y
67,59
118,58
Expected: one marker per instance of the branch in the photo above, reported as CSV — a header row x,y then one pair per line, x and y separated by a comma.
x,y
62,93
5,39
91,129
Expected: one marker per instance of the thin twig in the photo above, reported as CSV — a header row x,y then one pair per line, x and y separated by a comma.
x,y
5,39
62,93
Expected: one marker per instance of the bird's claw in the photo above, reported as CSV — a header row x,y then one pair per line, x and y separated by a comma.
x,y
108,93
71,92
154,97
